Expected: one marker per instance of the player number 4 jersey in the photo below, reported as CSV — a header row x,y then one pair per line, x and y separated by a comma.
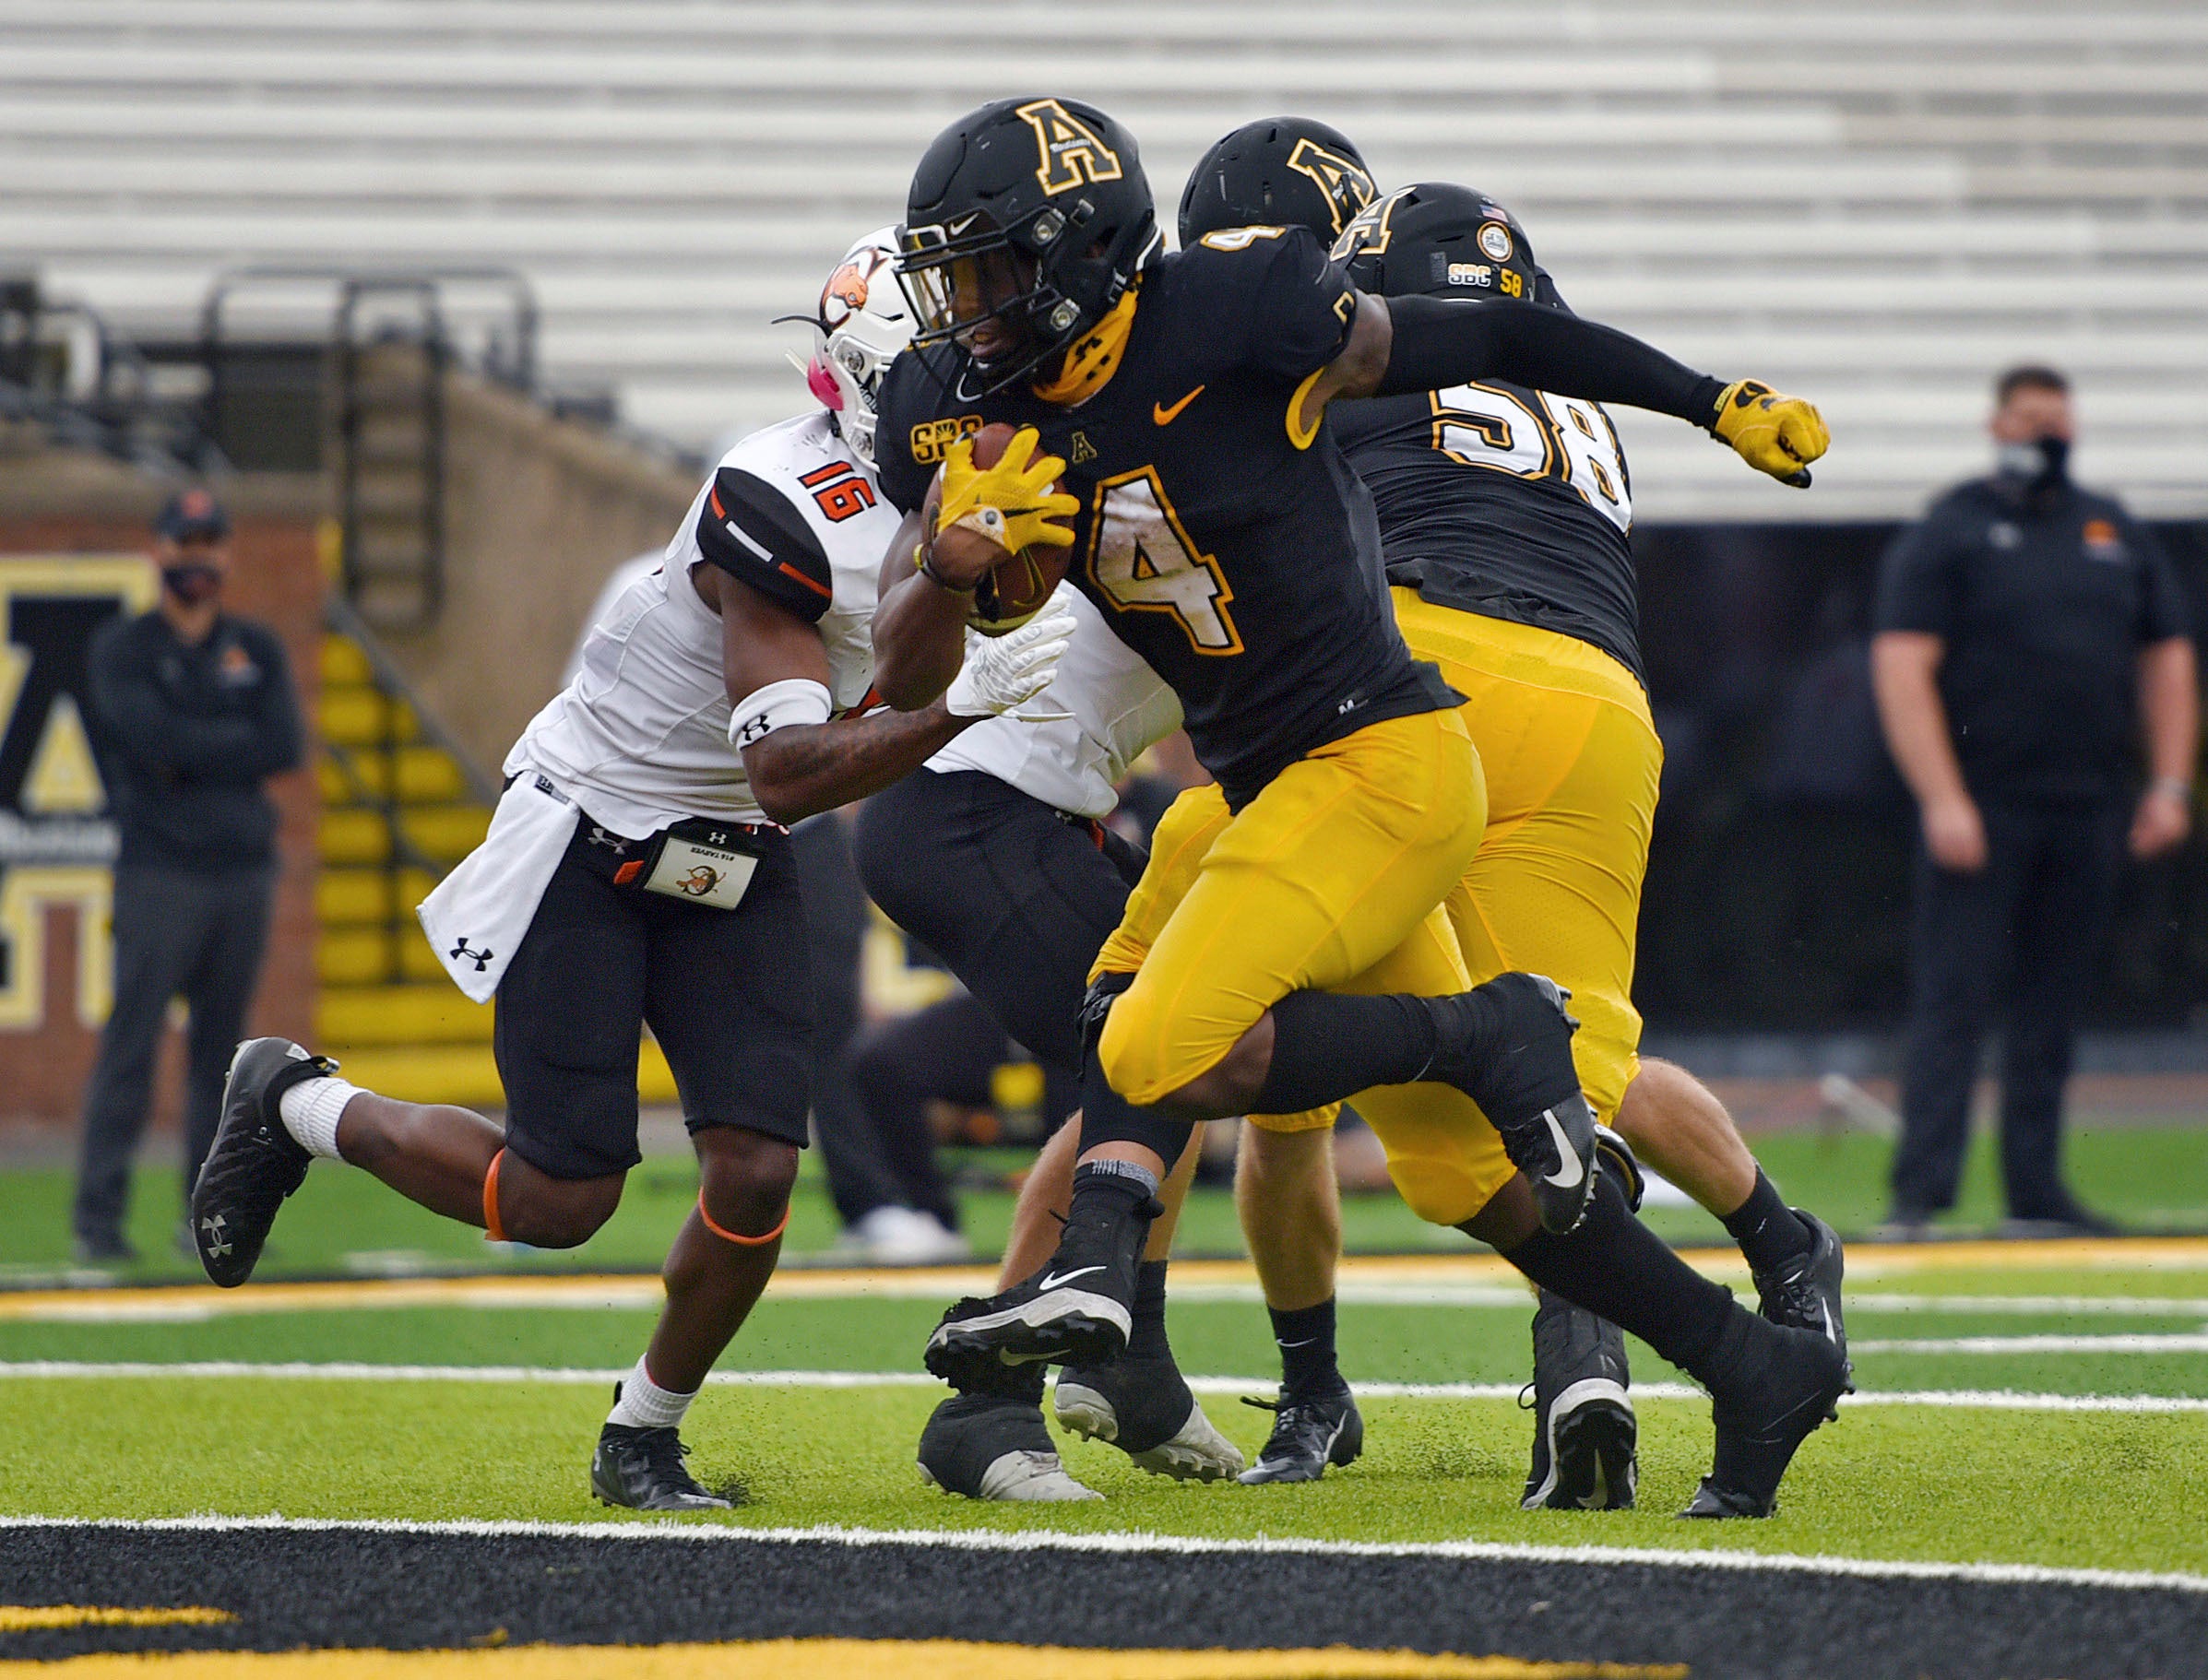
x,y
1236,557
640,737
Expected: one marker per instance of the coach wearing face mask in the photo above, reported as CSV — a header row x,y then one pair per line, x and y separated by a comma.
x,y
2031,661
192,710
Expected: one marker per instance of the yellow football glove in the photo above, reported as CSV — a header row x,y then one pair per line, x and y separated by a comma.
x,y
1780,435
1011,503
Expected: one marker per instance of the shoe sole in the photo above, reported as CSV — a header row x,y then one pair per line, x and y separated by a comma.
x,y
1066,1327
1593,1434
1197,1453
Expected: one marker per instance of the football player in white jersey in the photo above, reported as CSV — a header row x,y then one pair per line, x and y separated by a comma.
x,y
639,872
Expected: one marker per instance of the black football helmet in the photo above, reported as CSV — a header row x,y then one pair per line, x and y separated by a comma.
x,y
1030,214
1287,171
1439,241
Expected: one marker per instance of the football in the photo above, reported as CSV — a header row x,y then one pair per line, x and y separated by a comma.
x,y
1019,587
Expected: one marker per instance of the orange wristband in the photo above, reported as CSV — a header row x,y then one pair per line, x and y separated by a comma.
x,y
492,1231
738,1236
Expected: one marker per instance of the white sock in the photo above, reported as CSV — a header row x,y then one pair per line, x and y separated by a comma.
x,y
310,1111
644,1404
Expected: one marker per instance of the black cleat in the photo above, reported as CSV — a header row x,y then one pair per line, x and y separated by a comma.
x,y
643,1470
995,1447
1786,1388
1310,1432
254,1162
1805,1295
1519,1069
1077,1310
1143,1408
1585,1430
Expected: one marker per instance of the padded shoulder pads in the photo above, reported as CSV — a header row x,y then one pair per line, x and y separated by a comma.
x,y
750,530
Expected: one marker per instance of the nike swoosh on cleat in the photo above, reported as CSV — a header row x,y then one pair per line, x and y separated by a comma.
x,y
1165,416
1570,1171
1051,1280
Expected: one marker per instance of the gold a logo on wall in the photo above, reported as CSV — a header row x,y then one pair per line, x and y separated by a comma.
x,y
56,845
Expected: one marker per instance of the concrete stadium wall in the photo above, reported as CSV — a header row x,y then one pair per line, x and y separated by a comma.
x,y
90,515
538,512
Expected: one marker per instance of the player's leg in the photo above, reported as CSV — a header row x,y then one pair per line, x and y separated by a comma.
x,y
1014,898
1291,1214
566,1057
1309,885
727,997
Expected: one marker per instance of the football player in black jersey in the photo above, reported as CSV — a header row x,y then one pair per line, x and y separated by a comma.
x,y
1503,515
1306,957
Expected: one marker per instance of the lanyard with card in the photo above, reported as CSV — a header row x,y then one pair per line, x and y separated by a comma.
x,y
701,860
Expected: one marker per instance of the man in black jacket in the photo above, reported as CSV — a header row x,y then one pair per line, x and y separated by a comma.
x,y
192,710
2032,640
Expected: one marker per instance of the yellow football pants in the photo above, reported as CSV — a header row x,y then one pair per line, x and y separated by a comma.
x,y
1571,759
1333,879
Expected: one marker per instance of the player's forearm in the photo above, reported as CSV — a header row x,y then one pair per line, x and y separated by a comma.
x,y
919,642
2169,710
1915,719
800,772
1444,341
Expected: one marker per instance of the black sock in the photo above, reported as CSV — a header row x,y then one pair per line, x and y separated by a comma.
x,y
1616,1268
1327,1047
1765,1227
1306,1357
1146,1338
1109,1117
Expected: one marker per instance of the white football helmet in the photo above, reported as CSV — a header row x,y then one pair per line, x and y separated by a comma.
x,y
863,322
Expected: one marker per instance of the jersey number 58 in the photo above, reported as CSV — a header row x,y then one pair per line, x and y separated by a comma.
x,y
1485,426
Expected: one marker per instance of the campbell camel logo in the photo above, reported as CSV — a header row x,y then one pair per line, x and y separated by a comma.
x,y
700,882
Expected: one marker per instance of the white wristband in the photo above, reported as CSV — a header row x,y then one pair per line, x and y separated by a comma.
x,y
793,700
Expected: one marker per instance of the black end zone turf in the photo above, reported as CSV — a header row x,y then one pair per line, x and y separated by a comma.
x,y
356,1587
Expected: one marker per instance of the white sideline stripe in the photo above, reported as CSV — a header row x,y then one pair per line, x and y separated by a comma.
x,y
2034,1345
2004,1399
1136,1541
646,1294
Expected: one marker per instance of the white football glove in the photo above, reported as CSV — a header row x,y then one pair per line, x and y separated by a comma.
x,y
1001,674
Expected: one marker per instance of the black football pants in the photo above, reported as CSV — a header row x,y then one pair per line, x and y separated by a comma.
x,y
176,932
2030,924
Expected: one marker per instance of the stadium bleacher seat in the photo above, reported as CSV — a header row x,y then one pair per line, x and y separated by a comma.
x,y
1874,205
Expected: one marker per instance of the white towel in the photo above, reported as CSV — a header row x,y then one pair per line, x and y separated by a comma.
x,y
475,917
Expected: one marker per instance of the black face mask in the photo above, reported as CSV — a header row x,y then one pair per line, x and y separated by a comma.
x,y
192,581
2039,465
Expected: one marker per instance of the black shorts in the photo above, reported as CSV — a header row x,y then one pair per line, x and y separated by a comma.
x,y
1012,897
724,992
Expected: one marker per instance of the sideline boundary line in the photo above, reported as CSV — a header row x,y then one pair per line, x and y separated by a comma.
x,y
1139,1541
1865,1261
2000,1400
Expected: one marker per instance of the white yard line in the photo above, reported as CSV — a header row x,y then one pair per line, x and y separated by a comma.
x,y
2196,1344
985,1540
341,1371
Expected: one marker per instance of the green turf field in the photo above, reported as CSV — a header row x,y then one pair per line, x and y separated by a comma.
x,y
341,1222
1913,1480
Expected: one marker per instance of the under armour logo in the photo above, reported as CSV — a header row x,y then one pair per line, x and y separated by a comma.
x,y
754,728
216,1226
599,836
463,951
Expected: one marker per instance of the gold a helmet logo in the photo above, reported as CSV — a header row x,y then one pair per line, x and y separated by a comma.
x,y
1370,232
1068,149
1348,188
